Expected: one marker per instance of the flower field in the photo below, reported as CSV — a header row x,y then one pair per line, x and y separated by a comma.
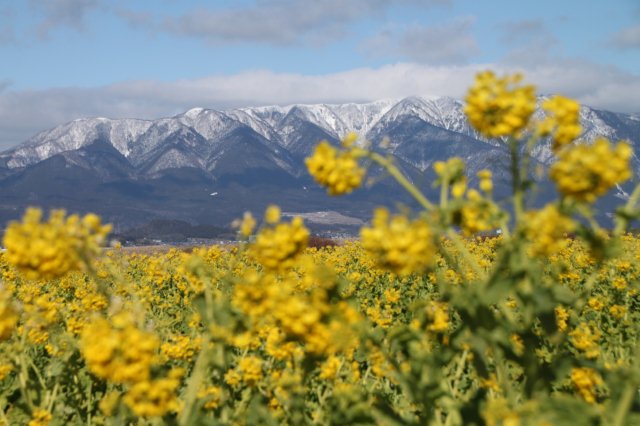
x,y
424,320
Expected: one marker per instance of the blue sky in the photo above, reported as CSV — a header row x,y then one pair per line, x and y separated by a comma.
x,y
65,59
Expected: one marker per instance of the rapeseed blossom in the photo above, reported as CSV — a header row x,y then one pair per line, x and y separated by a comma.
x,y
336,170
547,229
119,353
277,247
51,249
498,107
582,173
586,381
398,244
562,121
152,398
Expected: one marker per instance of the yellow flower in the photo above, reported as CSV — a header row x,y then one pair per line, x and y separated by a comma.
x,y
546,229
51,249
618,311
562,315
439,314
595,303
585,338
250,369
486,182
154,398
277,247
518,344
212,396
329,369
563,121
5,369
8,316
497,106
232,377
398,244
450,171
478,214
40,418
272,214
585,381
118,353
181,347
582,173
338,171
247,225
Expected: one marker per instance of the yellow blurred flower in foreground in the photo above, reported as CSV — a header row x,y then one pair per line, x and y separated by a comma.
x,y
338,171
51,249
562,122
497,106
119,353
277,247
398,244
547,229
584,172
585,381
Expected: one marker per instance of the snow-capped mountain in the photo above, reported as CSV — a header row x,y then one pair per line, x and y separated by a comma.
x,y
248,155
279,127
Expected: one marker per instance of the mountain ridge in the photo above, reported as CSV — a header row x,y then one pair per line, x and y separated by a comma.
x,y
170,168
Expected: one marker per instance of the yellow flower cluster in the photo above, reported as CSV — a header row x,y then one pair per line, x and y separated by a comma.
x,y
118,352
8,316
478,214
40,417
181,347
151,398
338,171
584,172
53,248
586,381
398,244
497,106
451,170
276,247
486,180
562,316
293,314
439,314
547,229
563,121
585,338
250,369
212,396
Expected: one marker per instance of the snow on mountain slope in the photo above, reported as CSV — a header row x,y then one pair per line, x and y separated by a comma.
x,y
200,130
74,135
211,124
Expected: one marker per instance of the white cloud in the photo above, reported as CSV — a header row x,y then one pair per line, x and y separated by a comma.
x,y
277,22
62,13
627,38
23,113
448,43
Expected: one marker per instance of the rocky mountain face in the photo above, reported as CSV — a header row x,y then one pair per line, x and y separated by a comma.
x,y
208,167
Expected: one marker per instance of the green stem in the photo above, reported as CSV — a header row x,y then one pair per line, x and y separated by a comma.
x,y
393,170
23,376
624,404
444,194
193,385
516,174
